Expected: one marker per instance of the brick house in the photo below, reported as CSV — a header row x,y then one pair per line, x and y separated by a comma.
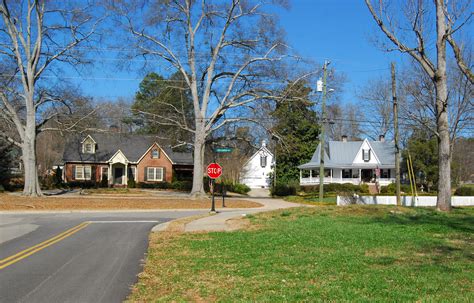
x,y
119,157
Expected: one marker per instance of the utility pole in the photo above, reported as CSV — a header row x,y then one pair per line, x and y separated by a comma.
x,y
321,140
395,127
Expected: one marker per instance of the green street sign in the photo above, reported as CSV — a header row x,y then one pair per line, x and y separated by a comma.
x,y
223,150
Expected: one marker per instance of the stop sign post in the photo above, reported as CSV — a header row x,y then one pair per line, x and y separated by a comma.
x,y
214,171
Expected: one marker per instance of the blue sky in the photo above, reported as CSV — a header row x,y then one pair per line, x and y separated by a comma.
x,y
337,30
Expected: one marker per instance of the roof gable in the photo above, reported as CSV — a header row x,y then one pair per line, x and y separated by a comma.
x,y
161,149
260,150
373,155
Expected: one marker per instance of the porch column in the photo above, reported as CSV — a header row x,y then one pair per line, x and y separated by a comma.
x,y
311,175
301,175
330,173
360,176
110,175
126,174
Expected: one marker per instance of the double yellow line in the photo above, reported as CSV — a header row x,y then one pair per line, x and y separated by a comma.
x,y
29,251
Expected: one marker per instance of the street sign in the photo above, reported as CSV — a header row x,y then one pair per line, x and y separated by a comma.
x,y
214,170
223,149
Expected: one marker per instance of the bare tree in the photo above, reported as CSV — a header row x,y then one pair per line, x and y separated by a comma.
x,y
414,29
225,51
376,100
35,34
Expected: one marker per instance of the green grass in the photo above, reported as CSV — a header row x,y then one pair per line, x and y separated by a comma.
x,y
327,253
311,199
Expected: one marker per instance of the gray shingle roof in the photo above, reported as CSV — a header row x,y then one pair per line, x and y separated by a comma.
x,y
132,146
342,154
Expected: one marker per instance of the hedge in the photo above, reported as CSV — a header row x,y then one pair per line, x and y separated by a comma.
x,y
391,189
464,191
338,188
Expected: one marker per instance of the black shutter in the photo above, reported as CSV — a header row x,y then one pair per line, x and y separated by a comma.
x,y
369,153
146,174
73,172
164,174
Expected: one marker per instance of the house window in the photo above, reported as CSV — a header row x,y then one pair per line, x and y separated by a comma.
x,y
385,173
263,161
346,173
366,155
88,148
155,154
154,174
83,172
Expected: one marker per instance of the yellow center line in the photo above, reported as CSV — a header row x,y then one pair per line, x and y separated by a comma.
x,y
29,251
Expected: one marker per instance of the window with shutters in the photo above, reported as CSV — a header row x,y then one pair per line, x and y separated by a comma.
x,y
263,161
105,172
154,174
83,172
132,173
366,155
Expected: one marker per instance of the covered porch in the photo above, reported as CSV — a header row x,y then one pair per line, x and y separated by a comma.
x,y
382,176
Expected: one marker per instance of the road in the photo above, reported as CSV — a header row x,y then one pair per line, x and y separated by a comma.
x,y
74,257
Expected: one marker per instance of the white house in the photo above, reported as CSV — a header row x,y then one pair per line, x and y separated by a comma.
x,y
256,171
352,162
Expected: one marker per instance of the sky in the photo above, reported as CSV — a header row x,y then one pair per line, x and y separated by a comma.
x,y
336,30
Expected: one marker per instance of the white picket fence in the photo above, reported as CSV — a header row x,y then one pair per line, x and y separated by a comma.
x,y
406,200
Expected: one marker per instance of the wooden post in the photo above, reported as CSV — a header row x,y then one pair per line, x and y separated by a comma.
x,y
395,127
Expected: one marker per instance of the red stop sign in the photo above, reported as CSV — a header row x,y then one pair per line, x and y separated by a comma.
x,y
214,170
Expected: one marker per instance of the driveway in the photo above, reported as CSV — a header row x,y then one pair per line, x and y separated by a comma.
x,y
74,257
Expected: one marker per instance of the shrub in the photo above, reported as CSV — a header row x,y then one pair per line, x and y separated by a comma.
x,y
240,188
158,185
464,191
338,188
283,189
182,185
82,184
104,182
2,189
391,189
131,183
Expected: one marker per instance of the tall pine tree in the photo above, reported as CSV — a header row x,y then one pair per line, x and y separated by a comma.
x,y
297,125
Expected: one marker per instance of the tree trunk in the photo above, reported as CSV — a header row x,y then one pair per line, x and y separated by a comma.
x,y
199,143
444,154
441,87
31,183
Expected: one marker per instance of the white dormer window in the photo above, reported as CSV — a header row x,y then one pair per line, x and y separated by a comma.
x,y
88,145
155,154
366,155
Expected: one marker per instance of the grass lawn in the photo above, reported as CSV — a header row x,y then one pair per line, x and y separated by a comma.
x,y
311,199
329,253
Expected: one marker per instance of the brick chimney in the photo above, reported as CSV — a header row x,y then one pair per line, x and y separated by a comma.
x,y
344,138
382,138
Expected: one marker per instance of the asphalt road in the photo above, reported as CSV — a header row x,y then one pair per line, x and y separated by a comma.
x,y
74,257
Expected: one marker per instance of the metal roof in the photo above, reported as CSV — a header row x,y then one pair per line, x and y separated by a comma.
x,y
341,154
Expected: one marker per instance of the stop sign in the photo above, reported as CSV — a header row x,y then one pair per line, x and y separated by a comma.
x,y
214,170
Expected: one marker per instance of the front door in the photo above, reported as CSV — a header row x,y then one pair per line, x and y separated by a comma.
x,y
366,175
118,175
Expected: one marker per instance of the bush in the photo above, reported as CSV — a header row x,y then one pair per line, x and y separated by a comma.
x,y
158,185
283,189
464,191
182,185
338,188
239,188
104,182
2,189
131,183
391,189
82,184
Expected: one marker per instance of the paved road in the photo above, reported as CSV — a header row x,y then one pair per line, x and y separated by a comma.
x,y
96,261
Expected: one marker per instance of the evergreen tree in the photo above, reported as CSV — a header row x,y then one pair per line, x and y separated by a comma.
x,y
297,125
167,98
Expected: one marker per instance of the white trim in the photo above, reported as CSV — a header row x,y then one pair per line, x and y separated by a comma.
x,y
371,148
83,170
255,154
88,136
154,173
116,153
162,150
